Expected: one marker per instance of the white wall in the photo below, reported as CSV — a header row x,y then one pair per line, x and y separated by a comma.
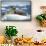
x,y
26,27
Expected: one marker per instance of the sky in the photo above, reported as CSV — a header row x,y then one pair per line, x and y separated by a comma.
x,y
15,0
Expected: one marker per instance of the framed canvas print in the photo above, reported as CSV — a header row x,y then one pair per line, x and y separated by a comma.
x,y
16,11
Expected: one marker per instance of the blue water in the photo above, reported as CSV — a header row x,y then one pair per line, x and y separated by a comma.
x,y
27,9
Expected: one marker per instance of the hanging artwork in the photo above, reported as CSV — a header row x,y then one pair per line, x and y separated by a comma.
x,y
17,10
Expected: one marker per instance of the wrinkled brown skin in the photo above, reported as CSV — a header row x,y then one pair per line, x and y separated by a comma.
x,y
43,23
